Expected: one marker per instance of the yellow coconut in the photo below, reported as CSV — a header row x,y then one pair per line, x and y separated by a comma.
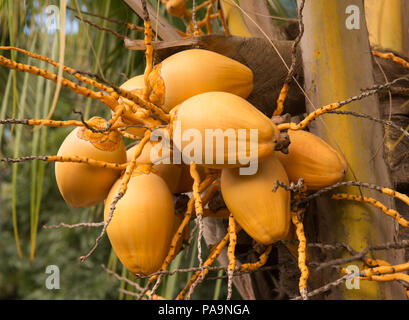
x,y
220,129
135,85
153,151
186,181
176,175
262,213
176,8
143,223
312,159
191,72
83,185
169,172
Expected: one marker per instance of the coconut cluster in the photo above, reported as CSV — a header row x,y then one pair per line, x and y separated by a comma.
x,y
204,94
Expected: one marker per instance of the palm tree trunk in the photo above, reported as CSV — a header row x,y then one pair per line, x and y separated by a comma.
x,y
337,64
388,24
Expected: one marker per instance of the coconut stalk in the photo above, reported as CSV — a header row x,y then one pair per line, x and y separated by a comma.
x,y
337,64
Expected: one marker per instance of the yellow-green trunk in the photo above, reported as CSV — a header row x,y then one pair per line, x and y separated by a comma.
x,y
337,65
384,20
